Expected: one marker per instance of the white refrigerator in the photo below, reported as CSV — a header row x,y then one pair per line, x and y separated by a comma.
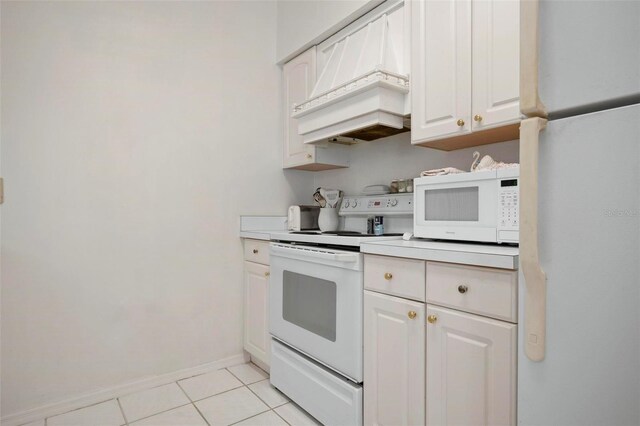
x,y
588,217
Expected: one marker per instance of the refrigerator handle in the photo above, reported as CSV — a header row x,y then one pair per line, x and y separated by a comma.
x,y
530,103
535,279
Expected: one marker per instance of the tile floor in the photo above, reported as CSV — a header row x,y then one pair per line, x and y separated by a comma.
x,y
238,395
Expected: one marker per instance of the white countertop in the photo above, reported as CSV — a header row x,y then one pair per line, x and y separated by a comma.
x,y
261,227
258,234
493,256
489,255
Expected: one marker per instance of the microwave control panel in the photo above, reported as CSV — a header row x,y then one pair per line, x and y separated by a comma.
x,y
508,204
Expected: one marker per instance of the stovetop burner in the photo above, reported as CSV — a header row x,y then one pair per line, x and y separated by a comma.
x,y
344,233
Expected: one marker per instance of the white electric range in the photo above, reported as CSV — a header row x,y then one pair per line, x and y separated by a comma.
x,y
315,307
397,210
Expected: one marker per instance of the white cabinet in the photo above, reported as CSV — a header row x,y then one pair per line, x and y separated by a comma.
x,y
464,72
299,77
495,63
440,69
394,363
257,340
471,369
427,364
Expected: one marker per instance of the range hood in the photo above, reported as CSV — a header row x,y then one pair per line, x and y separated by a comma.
x,y
362,91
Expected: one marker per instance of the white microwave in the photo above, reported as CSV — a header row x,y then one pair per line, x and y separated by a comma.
x,y
475,206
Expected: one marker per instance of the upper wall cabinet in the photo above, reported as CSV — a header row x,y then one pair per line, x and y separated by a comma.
x,y
464,72
299,76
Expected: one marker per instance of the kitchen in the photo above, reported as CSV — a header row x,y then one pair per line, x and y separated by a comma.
x,y
150,153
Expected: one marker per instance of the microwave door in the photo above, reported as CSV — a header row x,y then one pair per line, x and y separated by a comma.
x,y
457,211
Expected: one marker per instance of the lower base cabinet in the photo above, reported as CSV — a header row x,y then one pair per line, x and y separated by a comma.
x,y
394,360
256,311
471,369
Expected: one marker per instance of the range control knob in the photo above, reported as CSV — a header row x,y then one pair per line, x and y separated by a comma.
x,y
355,204
346,203
394,202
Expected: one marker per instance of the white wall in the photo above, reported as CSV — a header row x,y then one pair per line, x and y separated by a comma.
x,y
133,136
382,160
304,23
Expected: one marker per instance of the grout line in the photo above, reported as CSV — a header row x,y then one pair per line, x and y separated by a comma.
x,y
250,417
277,414
220,393
272,408
202,374
247,384
79,408
159,412
258,396
238,378
201,415
124,416
184,392
194,405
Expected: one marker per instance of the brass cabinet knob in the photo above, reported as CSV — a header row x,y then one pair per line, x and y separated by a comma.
x,y
412,314
462,289
266,274
460,122
255,251
432,319
387,276
477,118
309,156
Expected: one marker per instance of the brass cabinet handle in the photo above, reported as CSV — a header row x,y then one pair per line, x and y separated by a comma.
x,y
477,118
309,156
412,314
432,319
255,251
266,274
460,122
462,289
387,276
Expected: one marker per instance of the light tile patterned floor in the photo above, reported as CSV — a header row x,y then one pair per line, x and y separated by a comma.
x,y
238,395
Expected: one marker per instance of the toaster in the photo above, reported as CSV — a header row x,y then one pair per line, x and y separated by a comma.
x,y
302,218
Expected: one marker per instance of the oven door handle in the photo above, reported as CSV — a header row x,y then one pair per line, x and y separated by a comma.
x,y
314,254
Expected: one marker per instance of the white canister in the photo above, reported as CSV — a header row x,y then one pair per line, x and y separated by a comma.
x,y
328,219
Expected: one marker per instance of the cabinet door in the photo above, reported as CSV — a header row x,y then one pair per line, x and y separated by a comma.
x,y
471,369
440,69
394,361
256,311
299,77
496,63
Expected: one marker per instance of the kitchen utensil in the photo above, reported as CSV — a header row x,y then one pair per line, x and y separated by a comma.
x,y
328,219
332,196
319,198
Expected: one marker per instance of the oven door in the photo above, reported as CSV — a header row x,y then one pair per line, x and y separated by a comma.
x,y
456,207
315,304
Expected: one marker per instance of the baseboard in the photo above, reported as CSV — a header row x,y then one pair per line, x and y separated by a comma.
x,y
115,391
